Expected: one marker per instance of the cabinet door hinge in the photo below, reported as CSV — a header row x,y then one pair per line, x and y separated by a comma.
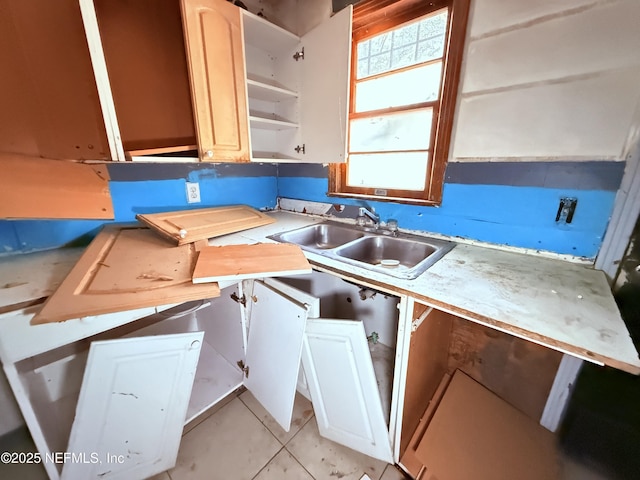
x,y
244,368
299,149
299,55
241,300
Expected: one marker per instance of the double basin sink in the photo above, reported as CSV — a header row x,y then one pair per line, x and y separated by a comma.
x,y
397,254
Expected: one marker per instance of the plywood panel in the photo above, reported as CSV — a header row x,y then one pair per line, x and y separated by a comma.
x,y
409,459
186,226
520,372
145,55
249,261
32,187
475,434
215,55
586,118
124,269
49,97
491,15
428,362
601,38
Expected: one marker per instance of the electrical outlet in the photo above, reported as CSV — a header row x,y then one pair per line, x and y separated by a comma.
x,y
193,192
566,210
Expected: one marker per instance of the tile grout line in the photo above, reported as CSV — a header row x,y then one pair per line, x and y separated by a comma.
x,y
262,423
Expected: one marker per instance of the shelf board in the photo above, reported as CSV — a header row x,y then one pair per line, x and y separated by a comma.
x,y
271,123
261,90
272,157
262,33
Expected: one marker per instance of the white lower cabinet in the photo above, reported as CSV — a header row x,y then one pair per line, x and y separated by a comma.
x,y
348,360
114,405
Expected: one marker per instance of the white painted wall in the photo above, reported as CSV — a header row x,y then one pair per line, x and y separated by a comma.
x,y
549,80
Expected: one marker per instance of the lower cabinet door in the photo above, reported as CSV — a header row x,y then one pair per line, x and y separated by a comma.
x,y
132,407
274,346
343,386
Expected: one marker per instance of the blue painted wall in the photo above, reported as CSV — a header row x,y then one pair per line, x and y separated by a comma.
x,y
507,204
149,188
520,213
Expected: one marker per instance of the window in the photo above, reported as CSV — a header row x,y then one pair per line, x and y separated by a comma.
x,y
406,57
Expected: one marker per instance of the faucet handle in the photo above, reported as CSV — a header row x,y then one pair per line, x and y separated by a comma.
x,y
392,225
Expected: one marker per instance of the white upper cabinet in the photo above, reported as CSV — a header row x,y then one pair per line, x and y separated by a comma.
x,y
298,90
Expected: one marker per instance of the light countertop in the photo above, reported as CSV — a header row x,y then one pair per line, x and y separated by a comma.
x,y
562,305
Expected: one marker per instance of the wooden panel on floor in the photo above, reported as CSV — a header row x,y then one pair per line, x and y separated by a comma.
x,y
409,459
124,269
519,371
49,98
475,434
32,187
145,55
187,226
235,262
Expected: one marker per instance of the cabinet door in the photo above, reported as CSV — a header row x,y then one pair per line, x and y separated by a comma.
x,y
324,89
132,406
215,55
273,350
343,386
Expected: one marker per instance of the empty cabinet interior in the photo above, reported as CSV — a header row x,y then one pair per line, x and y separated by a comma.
x,y
53,380
519,371
378,312
144,52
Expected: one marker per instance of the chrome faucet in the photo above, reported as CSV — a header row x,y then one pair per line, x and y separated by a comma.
x,y
370,212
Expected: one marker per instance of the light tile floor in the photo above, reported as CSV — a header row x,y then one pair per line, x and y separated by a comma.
x,y
241,441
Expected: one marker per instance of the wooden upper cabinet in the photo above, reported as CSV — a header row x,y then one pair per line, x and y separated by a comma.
x,y
153,80
50,106
215,55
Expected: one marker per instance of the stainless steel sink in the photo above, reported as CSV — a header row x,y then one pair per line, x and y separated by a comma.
x,y
321,236
400,255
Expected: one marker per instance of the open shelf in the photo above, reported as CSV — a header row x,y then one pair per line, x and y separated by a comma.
x,y
266,35
271,157
270,123
260,89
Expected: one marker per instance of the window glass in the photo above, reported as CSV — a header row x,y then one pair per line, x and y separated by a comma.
x,y
392,132
394,170
411,44
407,87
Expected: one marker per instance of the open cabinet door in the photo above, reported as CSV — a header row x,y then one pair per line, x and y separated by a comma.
x,y
215,54
343,386
325,89
273,350
132,406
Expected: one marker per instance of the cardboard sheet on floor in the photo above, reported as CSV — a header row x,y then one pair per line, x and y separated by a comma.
x,y
475,434
249,261
186,226
124,269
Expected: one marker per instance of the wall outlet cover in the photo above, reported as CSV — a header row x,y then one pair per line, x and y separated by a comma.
x,y
193,192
